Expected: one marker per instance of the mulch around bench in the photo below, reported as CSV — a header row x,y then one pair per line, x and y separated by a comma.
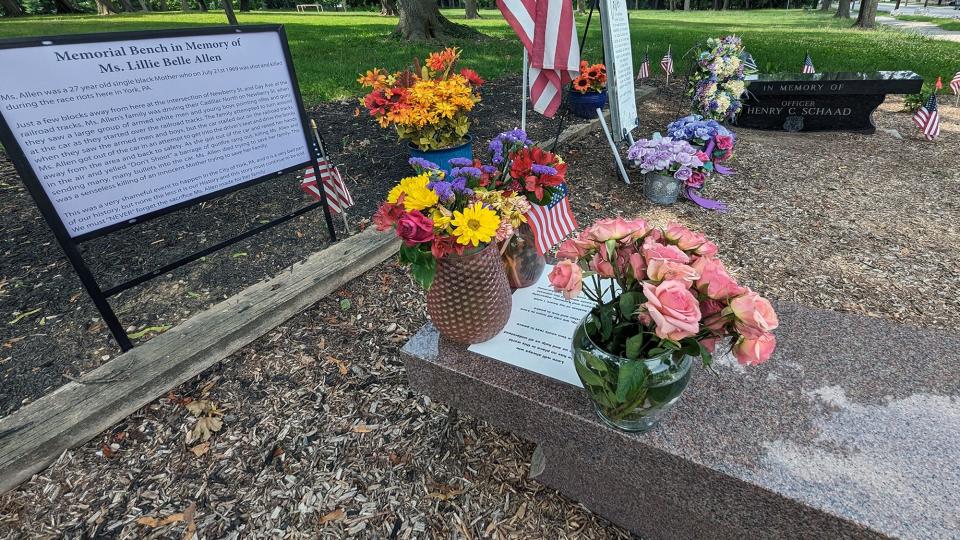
x,y
322,437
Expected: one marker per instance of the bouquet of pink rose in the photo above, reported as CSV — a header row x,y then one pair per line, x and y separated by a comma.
x,y
660,294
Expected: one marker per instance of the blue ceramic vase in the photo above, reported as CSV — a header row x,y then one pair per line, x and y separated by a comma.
x,y
586,105
442,156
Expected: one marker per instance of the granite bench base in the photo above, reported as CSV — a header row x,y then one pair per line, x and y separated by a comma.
x,y
850,431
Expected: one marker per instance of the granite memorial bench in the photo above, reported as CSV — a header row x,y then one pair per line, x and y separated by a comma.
x,y
851,430
820,101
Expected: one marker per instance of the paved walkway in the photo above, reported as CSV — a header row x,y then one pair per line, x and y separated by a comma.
x,y
919,27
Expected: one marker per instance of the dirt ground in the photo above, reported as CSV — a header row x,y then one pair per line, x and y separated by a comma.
x,y
322,436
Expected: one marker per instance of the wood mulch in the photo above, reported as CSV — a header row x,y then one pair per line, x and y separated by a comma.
x,y
321,435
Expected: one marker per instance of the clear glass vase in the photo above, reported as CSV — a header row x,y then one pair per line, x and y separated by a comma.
x,y
521,260
630,395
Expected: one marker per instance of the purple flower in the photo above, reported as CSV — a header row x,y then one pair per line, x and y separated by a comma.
x,y
536,168
423,164
470,171
505,142
459,185
683,174
444,190
460,162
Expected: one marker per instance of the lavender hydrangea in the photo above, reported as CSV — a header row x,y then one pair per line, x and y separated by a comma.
x,y
695,128
665,155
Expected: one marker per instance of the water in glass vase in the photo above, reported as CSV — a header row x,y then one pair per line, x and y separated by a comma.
x,y
631,395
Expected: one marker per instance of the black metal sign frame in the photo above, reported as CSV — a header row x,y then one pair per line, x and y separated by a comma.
x,y
70,245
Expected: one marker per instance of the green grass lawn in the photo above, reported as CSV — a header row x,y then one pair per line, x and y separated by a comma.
x,y
946,24
330,49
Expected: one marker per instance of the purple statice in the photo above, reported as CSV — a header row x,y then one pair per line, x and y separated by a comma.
x,y
444,190
505,142
539,169
470,171
665,155
422,165
460,162
488,169
459,185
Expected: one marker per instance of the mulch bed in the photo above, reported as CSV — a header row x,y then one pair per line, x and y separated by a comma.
x,y
322,436
61,335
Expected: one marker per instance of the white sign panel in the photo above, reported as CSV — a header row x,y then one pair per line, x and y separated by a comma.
x,y
115,130
618,56
540,331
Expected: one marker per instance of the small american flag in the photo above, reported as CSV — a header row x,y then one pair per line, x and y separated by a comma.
x,y
645,67
553,222
955,83
338,196
749,64
808,64
667,62
928,119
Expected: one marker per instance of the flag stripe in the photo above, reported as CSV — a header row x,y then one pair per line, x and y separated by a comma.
x,y
551,224
338,196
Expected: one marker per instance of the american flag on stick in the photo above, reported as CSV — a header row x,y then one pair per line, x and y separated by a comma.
x,y
808,64
546,29
928,119
667,62
955,83
553,222
644,71
338,196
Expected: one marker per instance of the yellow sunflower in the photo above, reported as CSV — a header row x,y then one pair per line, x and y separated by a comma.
x,y
417,196
475,225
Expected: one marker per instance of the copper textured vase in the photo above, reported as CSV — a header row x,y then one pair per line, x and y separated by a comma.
x,y
469,301
521,260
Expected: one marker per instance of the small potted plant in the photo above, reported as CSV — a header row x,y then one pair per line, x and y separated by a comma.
x,y
588,92
661,299
450,225
428,105
668,165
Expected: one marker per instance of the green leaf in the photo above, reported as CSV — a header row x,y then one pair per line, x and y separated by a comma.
x,y
587,376
634,346
633,376
423,271
628,303
345,304
606,321
705,356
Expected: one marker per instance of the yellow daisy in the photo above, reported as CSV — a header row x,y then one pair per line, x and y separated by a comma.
x,y
475,224
417,196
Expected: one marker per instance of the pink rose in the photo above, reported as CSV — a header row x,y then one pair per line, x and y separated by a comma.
x,y
663,270
655,250
710,343
716,323
645,318
697,179
707,249
683,237
567,277
724,142
714,279
753,351
638,266
616,229
710,307
754,315
574,248
702,156
601,265
415,228
673,308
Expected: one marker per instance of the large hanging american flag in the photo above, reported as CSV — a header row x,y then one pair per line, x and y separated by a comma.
x,y
644,71
338,196
955,83
928,119
546,28
553,222
667,62
808,64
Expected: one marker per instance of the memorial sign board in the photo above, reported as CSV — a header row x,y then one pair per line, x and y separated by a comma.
x,y
821,101
108,130
618,57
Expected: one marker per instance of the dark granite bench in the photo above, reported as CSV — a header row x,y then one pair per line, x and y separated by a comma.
x,y
851,430
821,101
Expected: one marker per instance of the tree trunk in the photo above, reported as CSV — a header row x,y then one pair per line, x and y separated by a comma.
x,y
388,8
581,7
184,5
162,5
843,9
470,9
868,14
228,10
725,5
64,6
104,7
244,6
11,8
144,5
897,6
421,19
203,6
825,5
686,5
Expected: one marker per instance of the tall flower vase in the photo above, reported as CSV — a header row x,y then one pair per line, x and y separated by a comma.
x,y
521,260
442,156
630,395
469,301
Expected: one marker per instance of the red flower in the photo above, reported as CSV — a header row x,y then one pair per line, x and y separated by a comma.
x,y
472,77
443,245
415,228
525,170
388,214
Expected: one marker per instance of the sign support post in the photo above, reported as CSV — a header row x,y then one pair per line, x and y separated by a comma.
x,y
523,90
